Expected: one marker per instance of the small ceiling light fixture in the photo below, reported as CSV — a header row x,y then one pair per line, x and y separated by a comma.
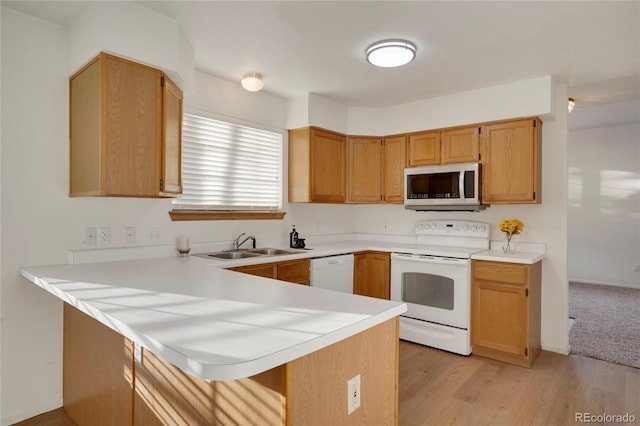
x,y
252,82
572,103
391,53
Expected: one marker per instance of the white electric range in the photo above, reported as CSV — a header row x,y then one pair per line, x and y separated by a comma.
x,y
434,279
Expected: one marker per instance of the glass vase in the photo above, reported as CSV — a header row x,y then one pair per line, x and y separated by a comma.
x,y
508,245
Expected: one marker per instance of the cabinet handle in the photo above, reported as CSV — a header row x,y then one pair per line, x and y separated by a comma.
x,y
526,351
161,185
526,292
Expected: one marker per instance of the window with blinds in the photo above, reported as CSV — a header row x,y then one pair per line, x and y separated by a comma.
x,y
227,166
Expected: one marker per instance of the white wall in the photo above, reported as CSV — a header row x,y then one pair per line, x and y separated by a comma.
x,y
604,205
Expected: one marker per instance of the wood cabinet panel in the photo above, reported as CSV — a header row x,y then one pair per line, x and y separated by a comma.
x,y
505,311
172,138
267,270
511,154
166,395
371,275
294,271
316,382
97,372
317,166
125,130
364,170
394,154
328,166
460,145
424,149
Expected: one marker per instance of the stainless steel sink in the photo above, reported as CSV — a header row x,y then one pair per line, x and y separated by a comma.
x,y
247,253
231,255
272,251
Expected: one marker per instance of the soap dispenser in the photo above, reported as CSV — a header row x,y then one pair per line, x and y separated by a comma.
x,y
293,237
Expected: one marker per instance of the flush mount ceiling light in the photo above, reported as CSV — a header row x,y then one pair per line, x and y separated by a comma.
x,y
252,82
391,53
572,103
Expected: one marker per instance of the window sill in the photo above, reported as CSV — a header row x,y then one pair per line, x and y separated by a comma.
x,y
181,215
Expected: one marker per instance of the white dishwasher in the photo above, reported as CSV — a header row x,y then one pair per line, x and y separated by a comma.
x,y
333,273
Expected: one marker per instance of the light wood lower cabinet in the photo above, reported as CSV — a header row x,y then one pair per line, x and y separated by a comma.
x,y
371,274
294,271
104,385
505,311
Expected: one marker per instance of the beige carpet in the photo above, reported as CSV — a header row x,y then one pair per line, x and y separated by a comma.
x,y
607,323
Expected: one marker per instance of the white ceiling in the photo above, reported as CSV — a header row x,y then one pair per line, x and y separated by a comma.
x,y
318,46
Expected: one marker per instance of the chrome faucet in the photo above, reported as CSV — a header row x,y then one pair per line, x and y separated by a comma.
x,y
237,243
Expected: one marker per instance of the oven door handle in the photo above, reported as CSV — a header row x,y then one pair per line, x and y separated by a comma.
x,y
405,257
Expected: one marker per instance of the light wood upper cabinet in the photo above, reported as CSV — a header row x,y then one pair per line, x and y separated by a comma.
x,y
317,166
125,130
394,161
372,274
511,162
460,145
424,149
505,311
364,170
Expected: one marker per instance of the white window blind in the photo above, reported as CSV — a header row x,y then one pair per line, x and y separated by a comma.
x,y
226,166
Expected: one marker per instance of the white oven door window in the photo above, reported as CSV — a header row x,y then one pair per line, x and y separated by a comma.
x,y
434,290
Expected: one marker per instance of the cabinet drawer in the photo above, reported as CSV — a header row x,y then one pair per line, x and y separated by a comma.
x,y
500,272
263,270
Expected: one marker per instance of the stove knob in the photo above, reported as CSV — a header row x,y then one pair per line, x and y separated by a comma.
x,y
465,228
483,228
473,228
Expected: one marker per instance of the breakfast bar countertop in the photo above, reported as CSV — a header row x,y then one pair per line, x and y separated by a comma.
x,y
210,322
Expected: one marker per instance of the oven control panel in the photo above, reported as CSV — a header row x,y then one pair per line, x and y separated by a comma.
x,y
453,228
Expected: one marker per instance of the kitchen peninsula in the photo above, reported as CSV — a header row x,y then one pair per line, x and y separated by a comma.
x,y
181,341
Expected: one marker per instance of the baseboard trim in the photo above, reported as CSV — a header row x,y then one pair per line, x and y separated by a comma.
x,y
32,412
575,280
556,349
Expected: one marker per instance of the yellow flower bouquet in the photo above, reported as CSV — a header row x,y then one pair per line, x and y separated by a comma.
x,y
510,227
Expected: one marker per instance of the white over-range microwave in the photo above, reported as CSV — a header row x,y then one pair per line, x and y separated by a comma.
x,y
448,187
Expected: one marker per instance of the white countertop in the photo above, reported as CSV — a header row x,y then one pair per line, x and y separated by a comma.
x,y
210,322
527,253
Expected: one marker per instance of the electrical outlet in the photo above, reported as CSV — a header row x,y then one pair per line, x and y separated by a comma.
x,y
130,234
104,235
154,235
89,237
353,394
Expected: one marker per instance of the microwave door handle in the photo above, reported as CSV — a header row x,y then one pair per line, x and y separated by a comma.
x,y
461,184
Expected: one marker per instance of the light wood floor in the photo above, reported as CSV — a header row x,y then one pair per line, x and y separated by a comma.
x,y
440,388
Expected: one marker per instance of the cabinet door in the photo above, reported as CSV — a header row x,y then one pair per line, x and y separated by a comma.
x,y
460,145
328,171
171,167
364,162
372,275
294,271
511,162
500,318
131,133
424,149
360,274
267,270
394,155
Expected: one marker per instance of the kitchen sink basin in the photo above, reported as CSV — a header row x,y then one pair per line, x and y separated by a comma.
x,y
247,253
231,255
272,251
